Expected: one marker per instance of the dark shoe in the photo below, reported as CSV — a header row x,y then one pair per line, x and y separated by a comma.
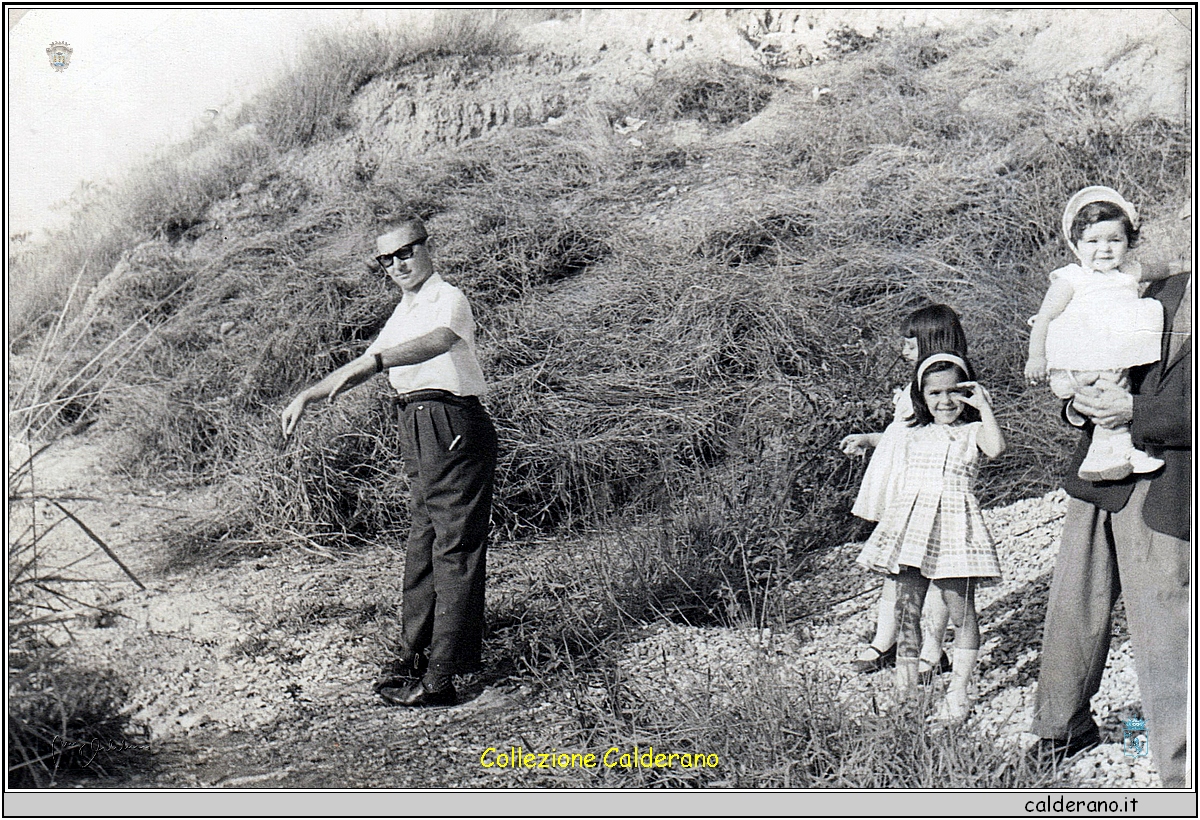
x,y
927,676
883,659
418,694
401,672
1054,751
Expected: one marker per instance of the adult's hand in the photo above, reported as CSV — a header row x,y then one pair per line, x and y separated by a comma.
x,y
293,412
1105,402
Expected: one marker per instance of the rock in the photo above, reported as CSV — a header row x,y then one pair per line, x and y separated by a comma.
x,y
191,721
1144,53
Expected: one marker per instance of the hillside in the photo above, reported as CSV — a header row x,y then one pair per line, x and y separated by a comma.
x,y
689,237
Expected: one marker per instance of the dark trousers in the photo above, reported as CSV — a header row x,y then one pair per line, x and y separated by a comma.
x,y
1103,555
449,452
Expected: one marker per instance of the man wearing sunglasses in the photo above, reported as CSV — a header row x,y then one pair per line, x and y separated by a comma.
x,y
448,445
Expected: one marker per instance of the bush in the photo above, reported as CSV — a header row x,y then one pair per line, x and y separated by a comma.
x,y
166,198
847,40
53,276
66,723
717,93
308,104
170,194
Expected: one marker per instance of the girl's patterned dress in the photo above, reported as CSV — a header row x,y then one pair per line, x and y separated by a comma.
x,y
934,522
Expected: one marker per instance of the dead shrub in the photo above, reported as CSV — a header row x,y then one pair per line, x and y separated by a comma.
x,y
718,93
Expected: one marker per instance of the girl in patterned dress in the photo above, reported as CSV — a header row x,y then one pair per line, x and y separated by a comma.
x,y
933,530
931,329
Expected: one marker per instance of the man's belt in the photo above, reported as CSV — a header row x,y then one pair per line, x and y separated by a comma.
x,y
444,396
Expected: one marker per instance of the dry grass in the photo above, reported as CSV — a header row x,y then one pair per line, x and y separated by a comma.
x,y
628,364
634,368
670,371
64,722
67,724
780,730
718,93
163,198
309,102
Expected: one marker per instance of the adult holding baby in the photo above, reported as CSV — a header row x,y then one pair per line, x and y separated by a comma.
x,y
448,445
1130,536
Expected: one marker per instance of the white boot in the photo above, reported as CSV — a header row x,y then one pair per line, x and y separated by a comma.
x,y
1122,443
1144,462
957,705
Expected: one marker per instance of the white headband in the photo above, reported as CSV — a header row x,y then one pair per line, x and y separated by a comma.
x,y
941,357
1086,196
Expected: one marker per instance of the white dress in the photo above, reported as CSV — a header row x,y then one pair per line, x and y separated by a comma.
x,y
934,523
886,466
1105,326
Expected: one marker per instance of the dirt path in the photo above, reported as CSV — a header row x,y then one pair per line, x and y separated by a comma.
x,y
258,674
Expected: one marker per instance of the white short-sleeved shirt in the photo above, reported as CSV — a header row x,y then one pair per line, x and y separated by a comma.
x,y
436,304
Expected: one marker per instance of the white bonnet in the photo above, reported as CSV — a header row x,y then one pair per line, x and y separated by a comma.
x,y
1086,196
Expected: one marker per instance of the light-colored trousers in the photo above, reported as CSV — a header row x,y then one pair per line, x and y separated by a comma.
x,y
1102,555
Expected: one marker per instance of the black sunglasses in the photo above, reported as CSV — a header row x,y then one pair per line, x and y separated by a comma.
x,y
400,255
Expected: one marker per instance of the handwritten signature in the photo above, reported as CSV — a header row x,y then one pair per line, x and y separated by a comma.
x,y
96,746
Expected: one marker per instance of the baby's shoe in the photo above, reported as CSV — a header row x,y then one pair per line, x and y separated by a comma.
x,y
1103,464
1142,462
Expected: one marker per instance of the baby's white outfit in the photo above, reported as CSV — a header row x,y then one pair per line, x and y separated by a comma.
x,y
1106,327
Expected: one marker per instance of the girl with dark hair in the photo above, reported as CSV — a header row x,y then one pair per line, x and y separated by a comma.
x,y
931,329
1092,323
933,530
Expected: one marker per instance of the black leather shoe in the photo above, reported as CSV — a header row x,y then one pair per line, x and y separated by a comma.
x,y
399,673
1052,750
418,694
927,676
883,658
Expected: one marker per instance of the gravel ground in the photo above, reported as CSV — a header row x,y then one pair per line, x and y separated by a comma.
x,y
680,662
259,674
